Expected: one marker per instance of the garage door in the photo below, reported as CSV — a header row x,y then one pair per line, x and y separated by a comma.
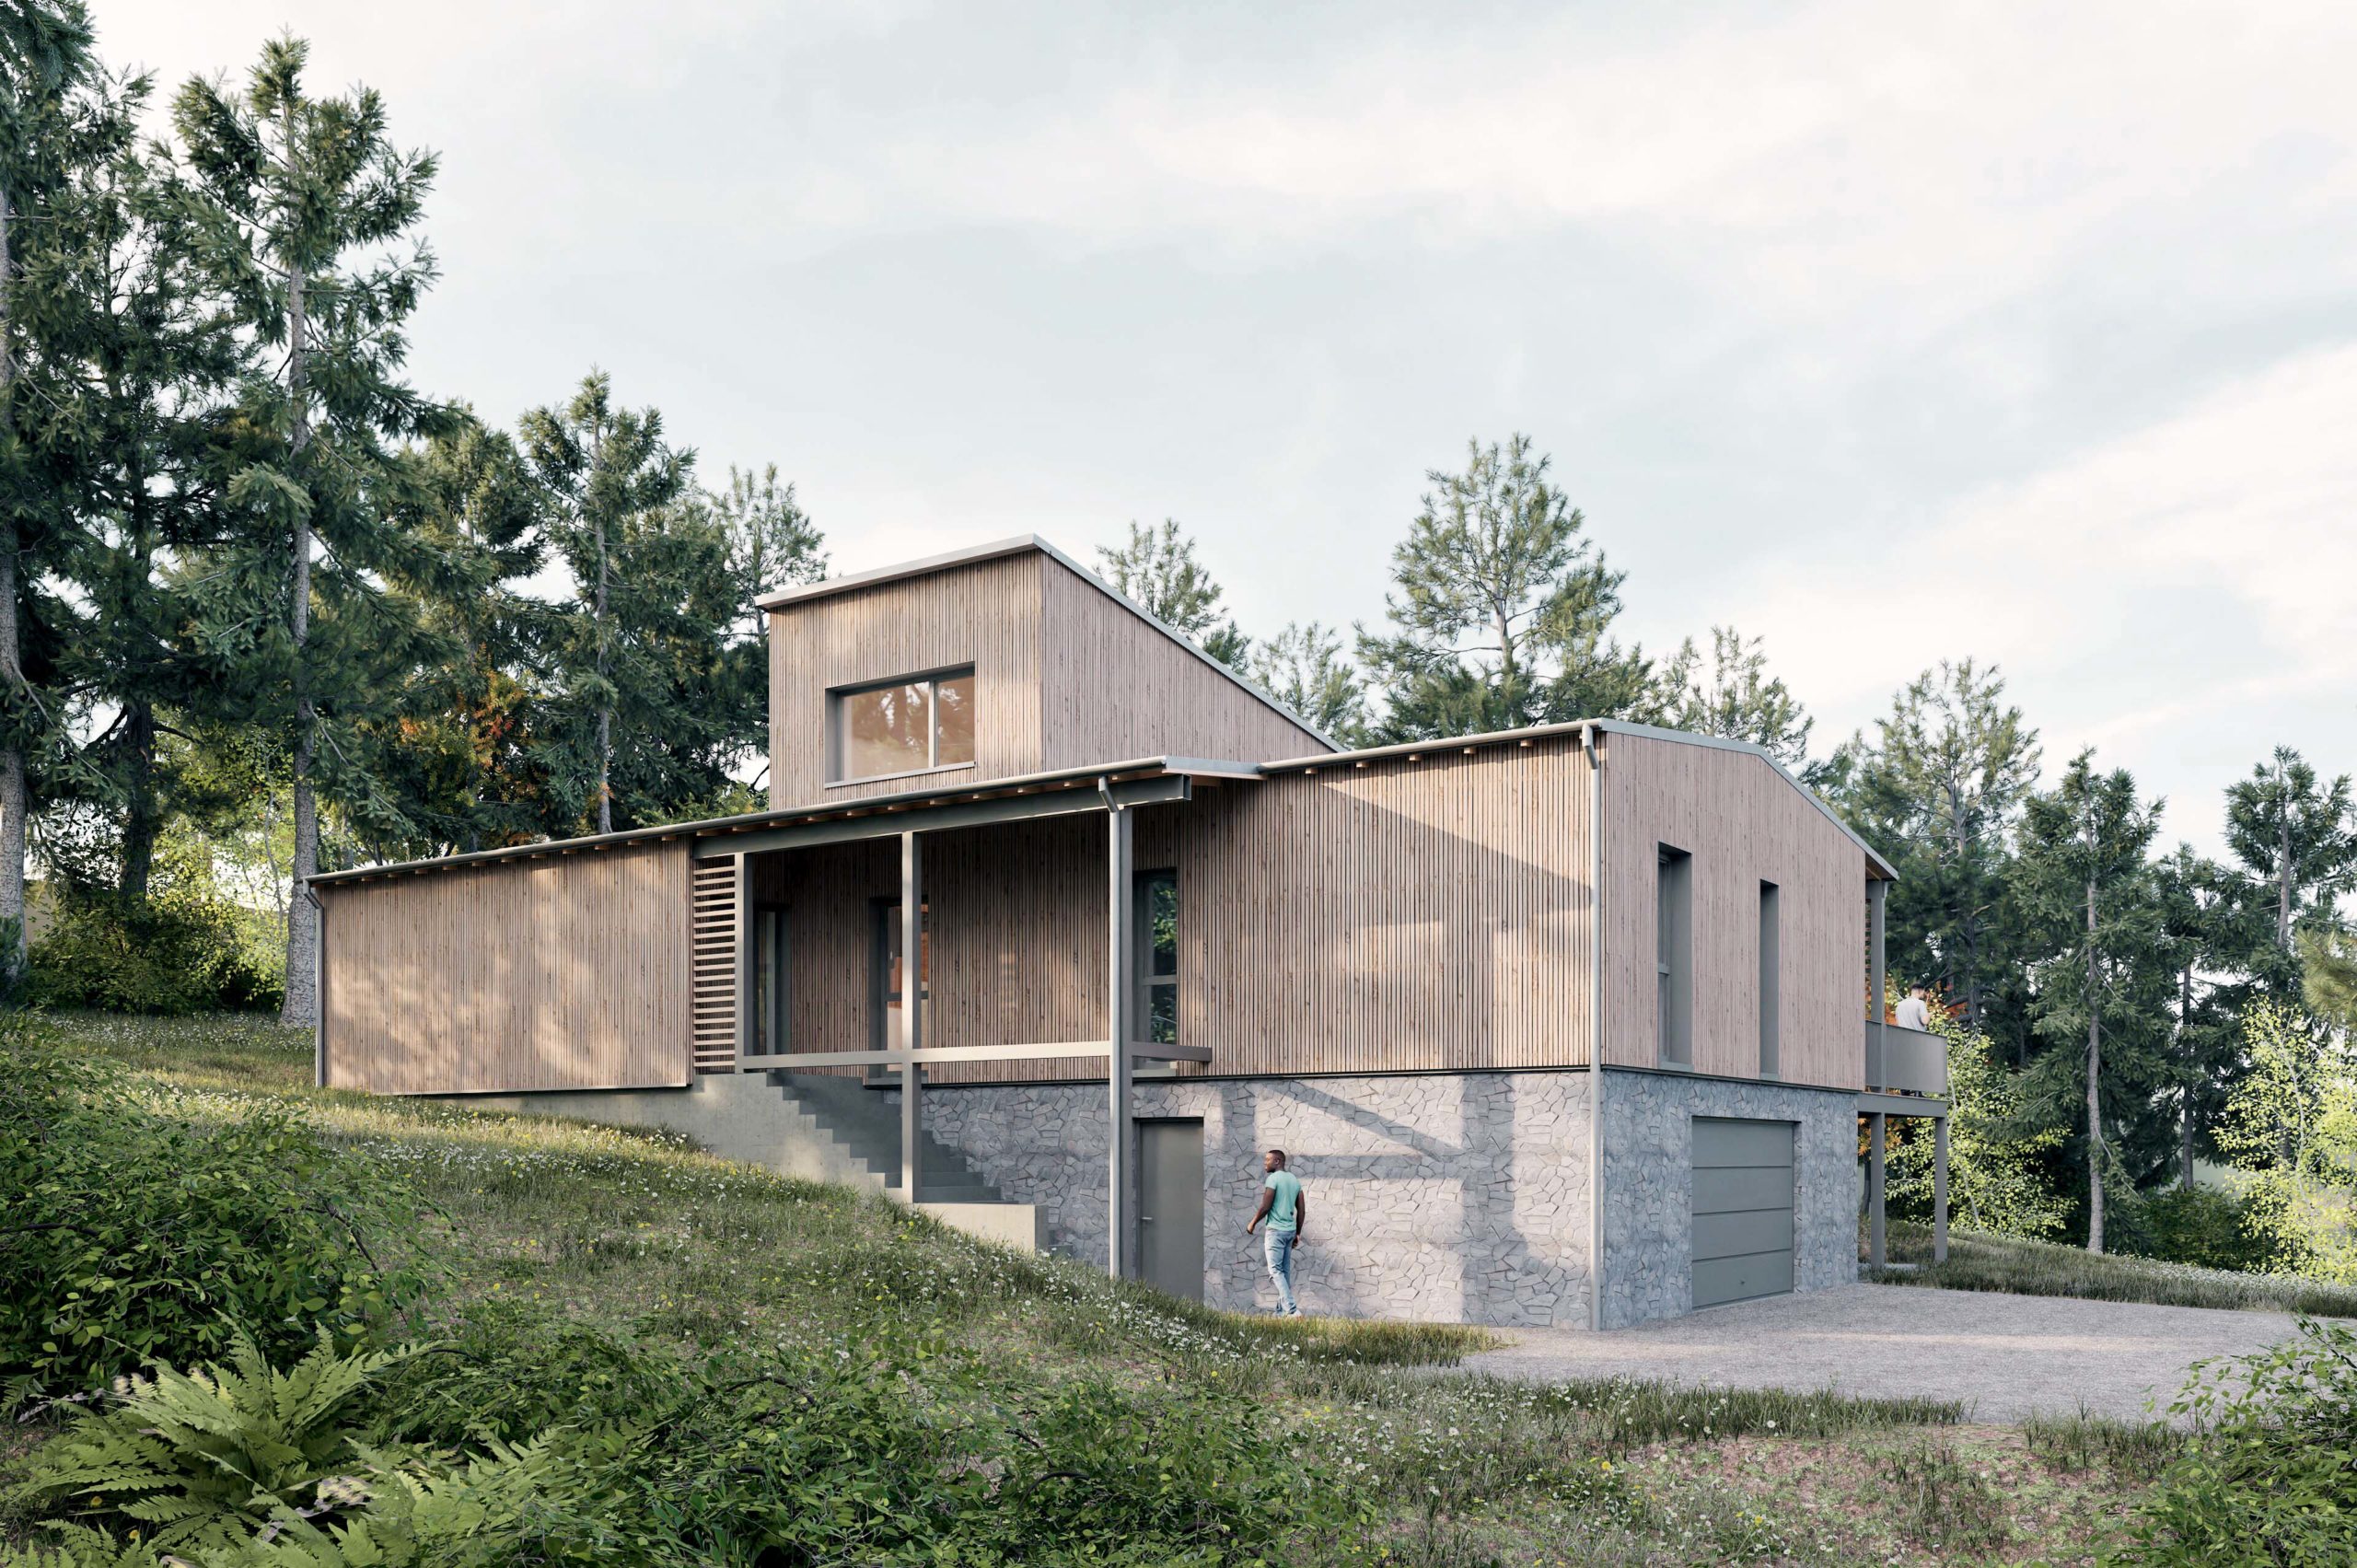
x,y
1743,1208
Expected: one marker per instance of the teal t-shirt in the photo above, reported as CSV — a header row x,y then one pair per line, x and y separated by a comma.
x,y
1287,1187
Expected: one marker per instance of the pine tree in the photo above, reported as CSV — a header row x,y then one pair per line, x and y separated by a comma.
x,y
608,469
1158,569
1304,668
1501,609
45,53
1738,699
2101,974
2198,927
1938,792
773,543
2292,834
298,205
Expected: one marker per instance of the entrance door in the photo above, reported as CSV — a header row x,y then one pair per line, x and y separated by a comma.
x,y
1743,1208
1170,1206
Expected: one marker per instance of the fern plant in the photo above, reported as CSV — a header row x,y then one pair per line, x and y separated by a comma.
x,y
209,1457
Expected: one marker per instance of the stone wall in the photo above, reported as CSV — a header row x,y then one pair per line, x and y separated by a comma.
x,y
1648,1185
1455,1197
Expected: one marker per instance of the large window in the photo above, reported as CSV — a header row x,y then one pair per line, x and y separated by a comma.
x,y
1674,955
909,726
768,980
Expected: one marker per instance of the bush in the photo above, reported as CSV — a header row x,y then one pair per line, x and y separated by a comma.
x,y
184,951
2206,1226
2270,1474
505,1372
138,1231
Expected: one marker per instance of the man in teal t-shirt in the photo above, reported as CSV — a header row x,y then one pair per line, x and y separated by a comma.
x,y
1286,1209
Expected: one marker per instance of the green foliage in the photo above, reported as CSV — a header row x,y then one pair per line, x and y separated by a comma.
x,y
1996,1176
2209,1227
1737,698
212,1454
1304,668
2292,1126
2268,1478
151,1227
1158,569
184,950
505,1372
2045,1268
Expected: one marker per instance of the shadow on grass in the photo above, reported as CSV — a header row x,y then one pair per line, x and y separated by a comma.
x,y
2043,1268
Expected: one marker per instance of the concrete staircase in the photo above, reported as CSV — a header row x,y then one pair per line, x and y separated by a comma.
x,y
862,1131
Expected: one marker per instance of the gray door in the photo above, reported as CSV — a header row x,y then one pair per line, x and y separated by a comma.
x,y
1170,1206
1743,1208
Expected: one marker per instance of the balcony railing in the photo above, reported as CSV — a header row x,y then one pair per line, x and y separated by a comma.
x,y
1905,1062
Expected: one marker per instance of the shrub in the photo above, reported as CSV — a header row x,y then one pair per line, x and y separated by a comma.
x,y
2206,1226
2270,1474
183,950
137,1230
212,1456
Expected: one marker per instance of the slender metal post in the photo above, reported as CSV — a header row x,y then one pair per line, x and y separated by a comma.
x,y
1939,1189
1119,1005
1875,1253
911,1016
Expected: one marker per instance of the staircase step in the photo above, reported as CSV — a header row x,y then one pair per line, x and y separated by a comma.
x,y
867,1131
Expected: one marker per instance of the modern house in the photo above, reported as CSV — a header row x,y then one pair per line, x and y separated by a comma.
x,y
1160,924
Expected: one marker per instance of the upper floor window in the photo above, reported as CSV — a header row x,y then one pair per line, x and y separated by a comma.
x,y
908,726
1674,955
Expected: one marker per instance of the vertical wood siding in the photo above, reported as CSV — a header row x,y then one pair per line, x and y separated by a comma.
x,y
986,614
1743,824
569,973
1398,916
1113,686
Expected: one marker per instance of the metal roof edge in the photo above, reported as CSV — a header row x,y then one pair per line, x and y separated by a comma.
x,y
779,598
708,827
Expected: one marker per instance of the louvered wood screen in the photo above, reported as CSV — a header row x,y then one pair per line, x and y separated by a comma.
x,y
719,914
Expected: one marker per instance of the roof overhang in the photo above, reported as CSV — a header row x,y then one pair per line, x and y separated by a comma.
x,y
1140,781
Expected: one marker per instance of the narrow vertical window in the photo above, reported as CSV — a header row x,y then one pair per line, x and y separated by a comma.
x,y
769,980
1771,982
1674,955
1157,956
888,985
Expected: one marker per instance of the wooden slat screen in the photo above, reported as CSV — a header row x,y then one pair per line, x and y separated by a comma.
x,y
717,914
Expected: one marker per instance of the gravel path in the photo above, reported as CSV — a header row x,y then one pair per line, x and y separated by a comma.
x,y
2004,1356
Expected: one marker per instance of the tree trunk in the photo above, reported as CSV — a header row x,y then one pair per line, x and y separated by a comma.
x,y
2094,1080
605,703
13,801
301,1007
2185,1042
142,822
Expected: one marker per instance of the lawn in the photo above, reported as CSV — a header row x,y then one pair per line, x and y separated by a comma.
x,y
643,1235
2043,1268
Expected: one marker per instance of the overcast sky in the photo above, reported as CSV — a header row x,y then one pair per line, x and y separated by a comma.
x,y
1885,333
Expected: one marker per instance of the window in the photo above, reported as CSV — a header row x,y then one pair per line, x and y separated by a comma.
x,y
909,726
1157,958
1771,966
768,1023
1674,955
887,984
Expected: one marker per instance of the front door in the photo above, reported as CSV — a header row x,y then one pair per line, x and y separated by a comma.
x,y
1170,1206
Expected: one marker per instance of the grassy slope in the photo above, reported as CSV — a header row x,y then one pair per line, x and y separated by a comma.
x,y
2042,1268
647,1234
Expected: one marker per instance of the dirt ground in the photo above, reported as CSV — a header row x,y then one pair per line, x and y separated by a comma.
x,y
2005,1356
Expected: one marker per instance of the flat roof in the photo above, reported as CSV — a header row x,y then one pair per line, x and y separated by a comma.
x,y
1020,544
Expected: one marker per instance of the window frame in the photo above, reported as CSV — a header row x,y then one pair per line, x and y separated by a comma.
x,y
883,917
1143,982
1771,981
771,951
838,750
1674,956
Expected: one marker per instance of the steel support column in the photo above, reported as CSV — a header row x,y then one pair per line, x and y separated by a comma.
x,y
911,1018
1875,1253
1121,1004
1939,1189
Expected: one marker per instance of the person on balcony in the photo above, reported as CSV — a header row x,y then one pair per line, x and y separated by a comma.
x,y
1915,1011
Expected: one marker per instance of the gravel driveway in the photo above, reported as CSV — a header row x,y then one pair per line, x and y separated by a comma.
x,y
2003,1356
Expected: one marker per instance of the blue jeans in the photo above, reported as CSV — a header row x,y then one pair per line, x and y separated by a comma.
x,y
1278,1244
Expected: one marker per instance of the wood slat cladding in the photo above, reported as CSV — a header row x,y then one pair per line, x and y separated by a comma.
x,y
716,941
569,973
1743,824
1112,685
1398,916
986,614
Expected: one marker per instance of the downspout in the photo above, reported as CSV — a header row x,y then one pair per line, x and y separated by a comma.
x,y
1591,744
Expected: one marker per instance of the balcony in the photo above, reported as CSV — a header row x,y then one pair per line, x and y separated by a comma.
x,y
1905,1062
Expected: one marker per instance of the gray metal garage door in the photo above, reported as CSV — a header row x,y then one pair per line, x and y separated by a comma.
x,y
1743,1208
